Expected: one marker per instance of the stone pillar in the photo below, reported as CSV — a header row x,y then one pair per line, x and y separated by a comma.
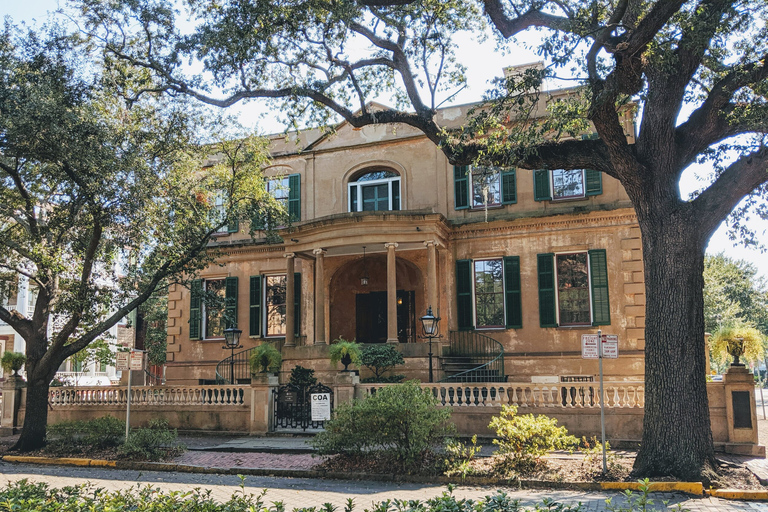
x,y
11,402
262,402
741,413
290,298
319,297
391,293
344,387
432,275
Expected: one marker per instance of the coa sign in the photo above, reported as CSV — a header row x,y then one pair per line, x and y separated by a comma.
x,y
321,406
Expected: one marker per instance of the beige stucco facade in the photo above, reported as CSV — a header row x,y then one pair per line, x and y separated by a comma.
x,y
417,248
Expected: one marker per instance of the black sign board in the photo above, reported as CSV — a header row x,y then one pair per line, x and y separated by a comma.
x,y
742,409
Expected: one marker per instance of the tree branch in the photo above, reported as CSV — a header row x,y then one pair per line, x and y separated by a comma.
x,y
532,18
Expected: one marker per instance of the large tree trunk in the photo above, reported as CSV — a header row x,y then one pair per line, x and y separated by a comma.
x,y
677,435
35,416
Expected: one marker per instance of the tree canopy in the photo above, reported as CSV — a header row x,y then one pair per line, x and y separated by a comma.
x,y
694,70
733,294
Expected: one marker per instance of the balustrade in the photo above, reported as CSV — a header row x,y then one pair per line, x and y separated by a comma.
x,y
222,395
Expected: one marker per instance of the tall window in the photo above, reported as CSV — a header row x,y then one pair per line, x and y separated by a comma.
x,y
573,289
486,186
568,184
375,191
280,189
214,314
275,301
489,293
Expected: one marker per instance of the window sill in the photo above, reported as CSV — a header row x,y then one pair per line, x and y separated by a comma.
x,y
569,199
580,326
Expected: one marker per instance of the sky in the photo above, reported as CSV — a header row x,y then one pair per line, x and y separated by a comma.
x,y
484,63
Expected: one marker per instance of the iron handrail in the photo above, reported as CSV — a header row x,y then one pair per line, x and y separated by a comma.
x,y
480,349
241,362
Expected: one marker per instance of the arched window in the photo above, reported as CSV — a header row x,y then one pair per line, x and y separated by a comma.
x,y
375,190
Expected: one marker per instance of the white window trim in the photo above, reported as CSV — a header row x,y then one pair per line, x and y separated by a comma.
x,y
472,205
569,198
589,288
503,296
358,185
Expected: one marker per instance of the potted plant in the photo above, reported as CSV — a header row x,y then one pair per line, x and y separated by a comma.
x,y
346,352
13,362
266,358
737,341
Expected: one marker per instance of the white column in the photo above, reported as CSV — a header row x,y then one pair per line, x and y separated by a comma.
x,y
319,297
290,298
391,293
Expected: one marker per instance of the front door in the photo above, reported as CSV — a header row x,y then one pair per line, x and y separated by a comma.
x,y
371,317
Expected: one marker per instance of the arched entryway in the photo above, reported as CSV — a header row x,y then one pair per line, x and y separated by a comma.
x,y
359,311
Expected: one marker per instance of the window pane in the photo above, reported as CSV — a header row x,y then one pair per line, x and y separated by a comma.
x,y
486,183
214,312
353,199
279,188
573,289
382,197
489,293
396,194
377,175
275,305
567,184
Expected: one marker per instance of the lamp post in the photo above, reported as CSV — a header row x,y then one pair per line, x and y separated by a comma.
x,y
232,340
429,327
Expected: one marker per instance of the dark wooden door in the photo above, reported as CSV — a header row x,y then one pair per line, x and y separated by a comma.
x,y
371,317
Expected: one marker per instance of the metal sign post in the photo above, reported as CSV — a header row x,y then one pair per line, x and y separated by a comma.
x,y
602,396
136,363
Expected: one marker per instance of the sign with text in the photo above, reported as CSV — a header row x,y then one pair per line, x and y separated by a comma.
x,y
137,360
121,361
589,348
321,406
610,346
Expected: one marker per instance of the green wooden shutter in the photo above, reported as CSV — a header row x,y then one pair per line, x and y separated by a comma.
x,y
594,182
601,306
514,305
541,189
255,307
230,302
461,187
546,266
259,221
294,197
464,294
297,302
233,227
195,313
508,186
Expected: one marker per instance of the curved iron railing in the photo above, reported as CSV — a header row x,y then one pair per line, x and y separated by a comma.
x,y
238,367
473,357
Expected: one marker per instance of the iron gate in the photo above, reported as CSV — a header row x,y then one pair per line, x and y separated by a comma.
x,y
293,407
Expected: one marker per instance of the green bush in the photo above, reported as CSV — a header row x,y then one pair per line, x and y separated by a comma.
x,y
524,439
380,359
387,379
13,361
155,442
266,358
459,457
341,348
402,421
302,377
79,436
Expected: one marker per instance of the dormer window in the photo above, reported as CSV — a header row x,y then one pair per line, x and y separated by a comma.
x,y
375,191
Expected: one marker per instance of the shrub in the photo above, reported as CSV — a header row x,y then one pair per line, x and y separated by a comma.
x,y
459,456
380,359
402,420
346,352
524,439
13,361
154,442
266,358
302,377
387,379
78,436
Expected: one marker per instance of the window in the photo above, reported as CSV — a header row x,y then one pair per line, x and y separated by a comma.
x,y
573,289
481,186
212,307
280,189
375,191
220,213
268,304
287,191
488,293
562,184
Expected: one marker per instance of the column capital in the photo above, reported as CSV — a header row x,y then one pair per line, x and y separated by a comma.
x,y
393,245
319,252
429,243
289,255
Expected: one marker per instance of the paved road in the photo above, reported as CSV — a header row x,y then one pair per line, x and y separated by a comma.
x,y
300,492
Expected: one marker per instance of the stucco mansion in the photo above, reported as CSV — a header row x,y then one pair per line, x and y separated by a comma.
x,y
383,226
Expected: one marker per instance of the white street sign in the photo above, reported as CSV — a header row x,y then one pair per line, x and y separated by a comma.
x,y
321,406
137,360
589,348
610,346
121,361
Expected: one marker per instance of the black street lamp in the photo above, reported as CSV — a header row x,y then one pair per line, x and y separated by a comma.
x,y
430,328
232,340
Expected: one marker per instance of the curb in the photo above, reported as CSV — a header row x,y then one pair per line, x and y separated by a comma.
x,y
691,488
738,494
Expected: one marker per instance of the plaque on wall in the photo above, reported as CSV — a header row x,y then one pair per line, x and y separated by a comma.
x,y
742,409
